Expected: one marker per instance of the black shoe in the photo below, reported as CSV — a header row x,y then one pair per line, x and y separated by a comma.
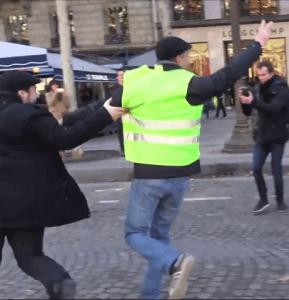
x,y
282,207
180,275
65,289
261,207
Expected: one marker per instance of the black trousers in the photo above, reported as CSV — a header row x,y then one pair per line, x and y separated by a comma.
x,y
220,107
27,245
261,151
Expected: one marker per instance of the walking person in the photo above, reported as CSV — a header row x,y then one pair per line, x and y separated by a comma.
x,y
208,105
271,101
51,88
161,138
36,189
220,106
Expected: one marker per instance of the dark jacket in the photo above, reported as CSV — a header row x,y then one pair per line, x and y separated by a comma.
x,y
35,187
199,90
271,100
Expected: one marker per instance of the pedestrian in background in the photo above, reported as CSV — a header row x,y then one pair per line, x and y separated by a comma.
x,y
271,100
58,104
208,106
52,87
220,106
161,138
36,189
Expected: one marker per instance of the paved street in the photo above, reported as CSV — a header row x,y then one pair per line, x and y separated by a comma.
x,y
238,255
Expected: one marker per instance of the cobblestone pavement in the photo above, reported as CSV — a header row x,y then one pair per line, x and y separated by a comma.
x,y
238,255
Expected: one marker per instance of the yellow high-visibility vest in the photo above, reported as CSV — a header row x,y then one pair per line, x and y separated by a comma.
x,y
161,128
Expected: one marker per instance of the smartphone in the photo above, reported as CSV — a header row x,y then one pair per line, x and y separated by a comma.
x,y
245,91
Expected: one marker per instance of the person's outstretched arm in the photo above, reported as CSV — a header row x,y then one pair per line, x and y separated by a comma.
x,y
42,126
202,88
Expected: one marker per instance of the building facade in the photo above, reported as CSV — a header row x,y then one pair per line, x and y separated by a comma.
x,y
206,25
118,28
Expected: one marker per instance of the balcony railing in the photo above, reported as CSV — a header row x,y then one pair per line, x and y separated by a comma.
x,y
55,43
119,38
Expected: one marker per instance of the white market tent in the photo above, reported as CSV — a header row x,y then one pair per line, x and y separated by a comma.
x,y
83,70
15,56
148,58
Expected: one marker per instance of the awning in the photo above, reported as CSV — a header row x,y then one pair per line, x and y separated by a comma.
x,y
148,58
43,64
15,56
84,71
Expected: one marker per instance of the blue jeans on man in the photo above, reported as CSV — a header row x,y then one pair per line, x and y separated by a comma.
x,y
153,206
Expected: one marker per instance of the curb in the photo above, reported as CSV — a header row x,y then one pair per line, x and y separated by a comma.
x,y
125,173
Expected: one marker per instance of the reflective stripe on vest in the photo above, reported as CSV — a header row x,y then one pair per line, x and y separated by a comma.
x,y
153,124
149,138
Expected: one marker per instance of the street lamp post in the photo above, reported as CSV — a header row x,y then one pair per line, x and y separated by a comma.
x,y
241,137
65,49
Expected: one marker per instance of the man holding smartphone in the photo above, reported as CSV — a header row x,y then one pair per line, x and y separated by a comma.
x,y
270,99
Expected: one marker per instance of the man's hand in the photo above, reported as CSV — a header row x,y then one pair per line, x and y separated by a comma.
x,y
115,112
264,33
245,99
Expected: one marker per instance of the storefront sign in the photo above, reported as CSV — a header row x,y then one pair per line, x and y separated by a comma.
x,y
252,32
94,77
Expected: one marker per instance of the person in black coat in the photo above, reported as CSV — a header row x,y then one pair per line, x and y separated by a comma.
x,y
270,100
36,189
220,106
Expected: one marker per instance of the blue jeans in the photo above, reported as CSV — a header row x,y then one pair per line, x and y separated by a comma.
x,y
260,154
153,206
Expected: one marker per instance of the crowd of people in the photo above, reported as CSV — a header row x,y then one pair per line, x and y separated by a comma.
x,y
161,110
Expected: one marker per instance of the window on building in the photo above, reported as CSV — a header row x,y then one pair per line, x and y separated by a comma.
x,y
275,51
16,29
187,9
54,29
253,7
116,19
199,59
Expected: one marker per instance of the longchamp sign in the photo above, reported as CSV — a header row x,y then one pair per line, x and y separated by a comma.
x,y
252,32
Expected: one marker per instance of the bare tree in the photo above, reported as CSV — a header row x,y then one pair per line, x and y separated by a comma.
x,y
65,49
241,138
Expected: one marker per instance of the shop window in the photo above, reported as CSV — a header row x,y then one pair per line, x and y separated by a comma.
x,y
275,51
17,29
54,29
187,9
199,59
116,19
253,7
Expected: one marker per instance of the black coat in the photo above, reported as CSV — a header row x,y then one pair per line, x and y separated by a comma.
x,y
271,102
35,187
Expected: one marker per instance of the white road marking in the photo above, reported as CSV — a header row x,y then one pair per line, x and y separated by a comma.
x,y
115,189
207,198
108,201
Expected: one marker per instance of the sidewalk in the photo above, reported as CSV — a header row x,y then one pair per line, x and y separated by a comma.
x,y
103,163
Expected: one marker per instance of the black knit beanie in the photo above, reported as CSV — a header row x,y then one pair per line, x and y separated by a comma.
x,y
170,47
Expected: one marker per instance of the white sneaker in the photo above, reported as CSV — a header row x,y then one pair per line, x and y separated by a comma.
x,y
180,276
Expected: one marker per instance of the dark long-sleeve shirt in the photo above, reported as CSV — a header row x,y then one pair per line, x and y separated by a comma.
x,y
198,91
271,101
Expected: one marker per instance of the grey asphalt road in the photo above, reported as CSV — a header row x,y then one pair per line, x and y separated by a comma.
x,y
238,255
